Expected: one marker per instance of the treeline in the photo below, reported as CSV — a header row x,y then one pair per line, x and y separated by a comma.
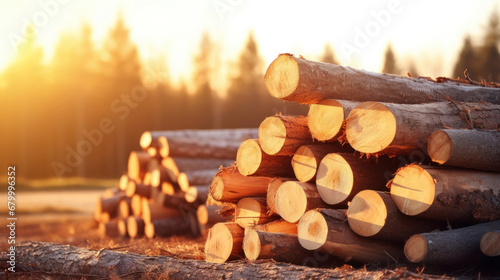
x,y
82,111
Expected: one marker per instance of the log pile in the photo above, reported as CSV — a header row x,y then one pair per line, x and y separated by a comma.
x,y
165,188
358,178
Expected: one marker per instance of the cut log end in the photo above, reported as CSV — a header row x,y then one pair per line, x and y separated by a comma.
x,y
439,146
282,76
251,211
367,213
291,201
416,248
251,245
145,140
164,148
304,164
248,157
370,127
325,119
223,241
490,244
334,179
312,230
413,190
135,227
183,181
217,188
272,135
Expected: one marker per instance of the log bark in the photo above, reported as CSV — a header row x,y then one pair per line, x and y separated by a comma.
x,y
374,214
283,135
294,198
109,229
200,177
150,138
490,243
229,185
458,246
135,227
341,176
327,230
468,148
198,147
251,160
278,226
304,81
194,164
307,158
109,204
152,211
138,188
386,128
138,164
281,247
326,120
167,227
272,189
69,261
209,215
252,211
224,243
461,195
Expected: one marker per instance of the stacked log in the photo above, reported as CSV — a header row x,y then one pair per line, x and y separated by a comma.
x,y
359,190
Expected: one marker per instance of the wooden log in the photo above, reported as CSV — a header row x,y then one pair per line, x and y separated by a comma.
x,y
280,226
341,176
326,120
209,215
294,198
327,230
283,135
193,164
374,214
224,243
468,148
198,147
229,185
124,208
122,184
152,211
122,227
136,205
251,160
281,247
201,177
108,204
135,227
197,194
450,247
167,227
272,189
386,128
307,158
183,182
171,165
240,134
168,188
300,80
137,164
108,229
138,188
461,195
252,211
162,174
490,243
175,201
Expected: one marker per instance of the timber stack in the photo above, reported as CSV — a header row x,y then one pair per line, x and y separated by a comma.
x,y
360,177
165,188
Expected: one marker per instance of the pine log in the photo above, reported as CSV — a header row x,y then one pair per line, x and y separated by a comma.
x,y
209,215
386,128
272,189
138,164
138,188
283,135
168,188
279,226
461,195
124,208
490,243
197,194
281,247
201,177
150,138
175,201
341,176
374,214
136,205
326,120
135,227
307,158
251,160
171,165
122,184
327,230
152,211
108,229
224,243
198,148
300,80
469,148
162,174
166,227
109,204
294,198
252,211
183,182
122,227
229,185
194,164
457,246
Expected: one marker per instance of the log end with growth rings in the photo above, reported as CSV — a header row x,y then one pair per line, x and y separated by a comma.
x,y
367,213
304,164
440,146
334,179
282,76
248,212
490,243
217,188
370,127
248,157
220,242
413,190
272,135
312,230
291,201
416,248
251,245
325,119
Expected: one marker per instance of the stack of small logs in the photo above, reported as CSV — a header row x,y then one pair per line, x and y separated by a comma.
x,y
359,177
165,188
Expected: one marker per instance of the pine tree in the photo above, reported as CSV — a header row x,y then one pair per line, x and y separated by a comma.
x,y
390,66
467,61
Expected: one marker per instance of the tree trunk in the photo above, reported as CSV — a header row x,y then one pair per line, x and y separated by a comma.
x,y
251,160
71,262
272,189
279,226
135,227
386,128
138,164
327,230
477,149
294,198
451,247
374,214
307,158
281,247
490,243
283,135
341,176
229,185
447,194
252,211
198,148
224,243
326,120
305,81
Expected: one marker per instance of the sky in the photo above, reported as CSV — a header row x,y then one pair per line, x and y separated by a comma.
x,y
430,33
